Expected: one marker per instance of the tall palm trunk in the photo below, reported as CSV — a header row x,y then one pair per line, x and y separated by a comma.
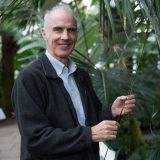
x,y
9,48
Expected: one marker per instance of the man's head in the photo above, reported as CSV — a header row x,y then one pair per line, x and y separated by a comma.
x,y
60,31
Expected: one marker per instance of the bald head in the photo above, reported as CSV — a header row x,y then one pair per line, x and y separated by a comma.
x,y
56,10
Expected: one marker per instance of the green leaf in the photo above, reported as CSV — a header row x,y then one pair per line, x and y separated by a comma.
x,y
108,9
39,43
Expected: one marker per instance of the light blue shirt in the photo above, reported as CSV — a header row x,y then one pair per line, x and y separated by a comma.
x,y
66,74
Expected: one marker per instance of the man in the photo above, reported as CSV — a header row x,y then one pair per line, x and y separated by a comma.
x,y
58,114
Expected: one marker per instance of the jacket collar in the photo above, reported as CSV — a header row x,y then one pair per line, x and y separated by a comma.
x,y
48,69
59,66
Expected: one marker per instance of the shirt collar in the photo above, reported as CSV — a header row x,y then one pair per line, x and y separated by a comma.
x,y
59,66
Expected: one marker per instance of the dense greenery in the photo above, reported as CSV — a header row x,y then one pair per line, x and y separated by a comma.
x,y
118,44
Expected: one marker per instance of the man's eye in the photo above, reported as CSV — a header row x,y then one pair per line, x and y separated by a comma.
x,y
72,30
57,29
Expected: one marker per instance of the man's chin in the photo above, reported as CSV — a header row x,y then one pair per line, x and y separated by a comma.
x,y
65,54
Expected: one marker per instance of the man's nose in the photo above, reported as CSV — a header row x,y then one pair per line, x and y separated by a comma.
x,y
65,35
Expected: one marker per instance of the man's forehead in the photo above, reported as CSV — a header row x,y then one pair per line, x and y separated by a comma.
x,y
60,16
61,13
61,19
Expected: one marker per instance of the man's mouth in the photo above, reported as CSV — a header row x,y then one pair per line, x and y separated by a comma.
x,y
64,44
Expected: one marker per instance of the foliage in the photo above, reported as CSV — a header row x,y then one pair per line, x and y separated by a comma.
x,y
149,151
118,46
23,13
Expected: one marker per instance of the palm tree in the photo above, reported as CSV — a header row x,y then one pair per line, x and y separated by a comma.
x,y
127,27
16,16
117,48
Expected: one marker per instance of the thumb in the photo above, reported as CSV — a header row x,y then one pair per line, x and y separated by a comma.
x,y
123,97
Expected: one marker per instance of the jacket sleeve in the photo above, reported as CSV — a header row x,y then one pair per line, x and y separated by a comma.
x,y
40,137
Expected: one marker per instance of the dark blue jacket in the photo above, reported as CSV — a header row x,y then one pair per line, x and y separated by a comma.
x,y
47,119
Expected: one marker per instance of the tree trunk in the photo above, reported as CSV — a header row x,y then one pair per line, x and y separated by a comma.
x,y
9,48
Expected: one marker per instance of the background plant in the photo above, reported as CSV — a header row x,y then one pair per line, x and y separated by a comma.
x,y
118,45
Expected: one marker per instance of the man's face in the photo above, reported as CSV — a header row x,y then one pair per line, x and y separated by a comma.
x,y
60,34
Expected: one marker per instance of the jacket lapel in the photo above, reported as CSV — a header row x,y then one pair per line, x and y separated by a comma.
x,y
80,81
68,98
50,72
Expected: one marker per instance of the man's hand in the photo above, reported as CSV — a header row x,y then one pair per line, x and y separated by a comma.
x,y
105,130
123,105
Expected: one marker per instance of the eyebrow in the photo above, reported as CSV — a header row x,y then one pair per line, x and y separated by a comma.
x,y
64,27
59,27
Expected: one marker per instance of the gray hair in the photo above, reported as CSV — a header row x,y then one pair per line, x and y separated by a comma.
x,y
58,7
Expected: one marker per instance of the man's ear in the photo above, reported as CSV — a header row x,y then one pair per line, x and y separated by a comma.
x,y
43,33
